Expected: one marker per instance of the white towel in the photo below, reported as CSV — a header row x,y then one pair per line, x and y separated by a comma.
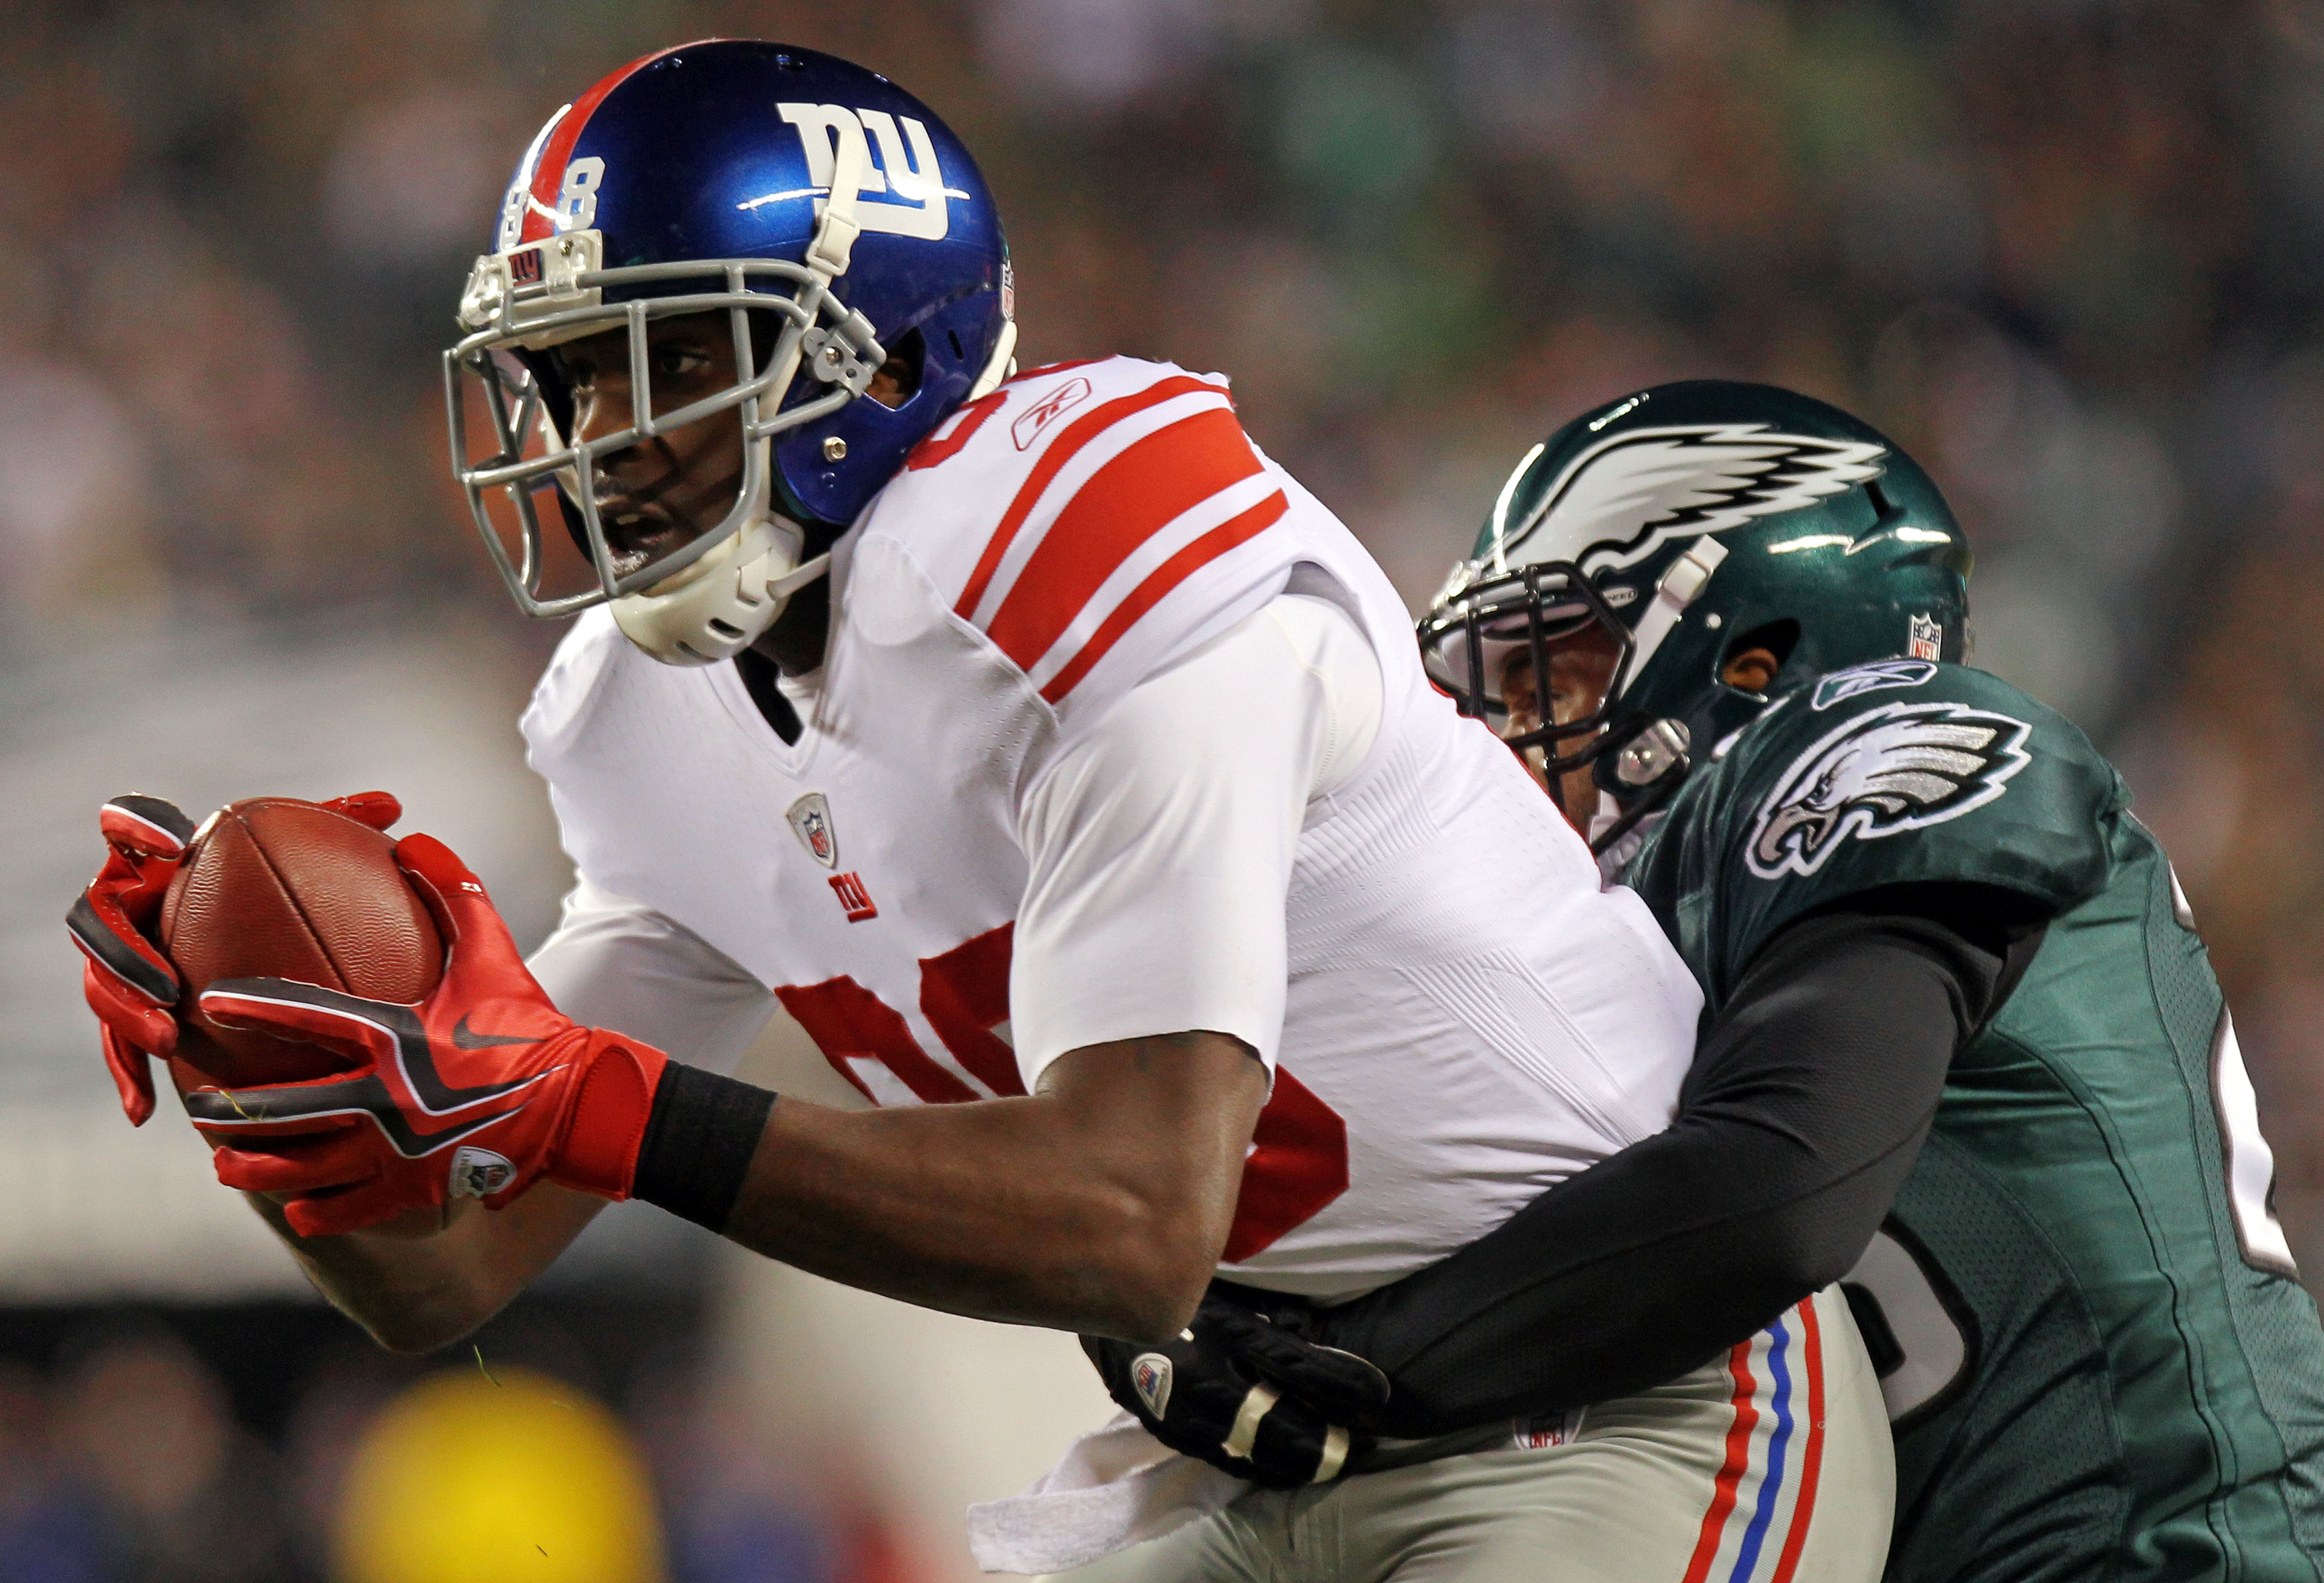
x,y
1114,1487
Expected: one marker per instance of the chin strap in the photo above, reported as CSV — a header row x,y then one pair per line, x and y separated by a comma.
x,y
799,577
1680,587
834,238
998,367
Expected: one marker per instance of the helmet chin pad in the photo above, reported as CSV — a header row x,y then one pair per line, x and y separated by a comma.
x,y
716,607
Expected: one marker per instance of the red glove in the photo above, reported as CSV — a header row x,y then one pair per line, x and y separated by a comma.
x,y
128,982
477,1092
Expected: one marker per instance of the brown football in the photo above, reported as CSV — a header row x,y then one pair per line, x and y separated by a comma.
x,y
278,888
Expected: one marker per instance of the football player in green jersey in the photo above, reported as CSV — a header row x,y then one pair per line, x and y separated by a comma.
x,y
1962,1042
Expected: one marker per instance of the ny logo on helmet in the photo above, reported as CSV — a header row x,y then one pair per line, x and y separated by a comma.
x,y
912,177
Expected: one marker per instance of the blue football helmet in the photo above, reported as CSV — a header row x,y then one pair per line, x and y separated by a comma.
x,y
805,198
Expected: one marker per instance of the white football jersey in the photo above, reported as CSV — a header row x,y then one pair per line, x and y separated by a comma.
x,y
1468,1019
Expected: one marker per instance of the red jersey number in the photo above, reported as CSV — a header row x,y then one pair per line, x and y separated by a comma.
x,y
1298,1160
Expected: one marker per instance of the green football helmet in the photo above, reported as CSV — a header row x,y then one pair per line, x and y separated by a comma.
x,y
1691,522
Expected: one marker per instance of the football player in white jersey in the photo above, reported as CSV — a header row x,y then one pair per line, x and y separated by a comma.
x,y
1065,769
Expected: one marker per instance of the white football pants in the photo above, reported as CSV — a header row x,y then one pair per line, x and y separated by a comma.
x,y
1772,1464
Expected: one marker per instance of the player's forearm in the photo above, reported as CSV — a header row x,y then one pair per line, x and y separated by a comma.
x,y
1098,1205
417,1293
411,1295
1807,1109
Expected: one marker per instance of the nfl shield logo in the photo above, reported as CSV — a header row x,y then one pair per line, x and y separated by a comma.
x,y
810,819
1542,1431
1928,637
1149,1374
478,1173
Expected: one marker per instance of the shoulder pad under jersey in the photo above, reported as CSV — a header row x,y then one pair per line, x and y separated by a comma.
x,y
1895,773
567,692
1094,522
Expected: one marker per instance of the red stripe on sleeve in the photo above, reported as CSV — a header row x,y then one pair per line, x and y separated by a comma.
x,y
1062,450
1811,1459
1730,1476
1164,578
1125,503
549,175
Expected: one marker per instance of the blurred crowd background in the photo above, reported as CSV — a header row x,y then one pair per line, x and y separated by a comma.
x,y
2067,251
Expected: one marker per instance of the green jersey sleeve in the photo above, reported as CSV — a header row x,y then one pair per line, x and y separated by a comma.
x,y
1898,771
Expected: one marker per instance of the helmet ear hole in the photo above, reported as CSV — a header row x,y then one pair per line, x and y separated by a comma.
x,y
1777,638
899,379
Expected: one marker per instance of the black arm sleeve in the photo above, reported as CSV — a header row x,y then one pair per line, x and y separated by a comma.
x,y
1807,1103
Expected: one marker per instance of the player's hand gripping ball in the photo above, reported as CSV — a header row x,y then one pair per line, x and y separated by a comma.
x,y
1246,1393
273,885
475,1091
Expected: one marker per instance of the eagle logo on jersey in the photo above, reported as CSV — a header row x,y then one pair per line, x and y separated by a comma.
x,y
1897,768
810,819
1643,487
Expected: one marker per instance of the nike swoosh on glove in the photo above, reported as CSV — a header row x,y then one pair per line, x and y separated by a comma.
x,y
126,980
478,1091
1245,1393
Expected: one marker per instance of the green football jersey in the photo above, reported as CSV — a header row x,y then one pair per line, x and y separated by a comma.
x,y
2097,1357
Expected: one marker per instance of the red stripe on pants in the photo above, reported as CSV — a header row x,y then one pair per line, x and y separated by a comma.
x,y
1811,1459
1731,1474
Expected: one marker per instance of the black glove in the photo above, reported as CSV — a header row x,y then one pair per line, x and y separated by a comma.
x,y
1242,1390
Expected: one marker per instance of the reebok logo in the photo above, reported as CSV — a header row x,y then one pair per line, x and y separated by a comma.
x,y
1034,418
1845,684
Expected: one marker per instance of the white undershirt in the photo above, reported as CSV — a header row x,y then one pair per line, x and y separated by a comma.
x,y
1160,844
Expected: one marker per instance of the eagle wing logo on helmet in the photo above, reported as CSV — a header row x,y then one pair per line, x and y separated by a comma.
x,y
1630,493
1894,769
